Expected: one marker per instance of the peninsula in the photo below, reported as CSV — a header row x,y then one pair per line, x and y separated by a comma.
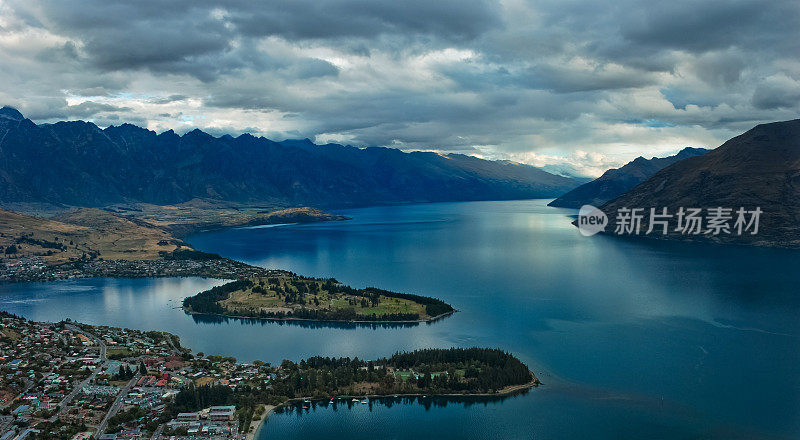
x,y
116,243
289,296
90,242
69,380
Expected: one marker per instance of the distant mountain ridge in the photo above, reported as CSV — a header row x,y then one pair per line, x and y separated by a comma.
x,y
77,163
566,170
757,169
615,182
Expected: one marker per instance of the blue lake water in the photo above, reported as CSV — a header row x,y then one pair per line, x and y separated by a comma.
x,y
631,339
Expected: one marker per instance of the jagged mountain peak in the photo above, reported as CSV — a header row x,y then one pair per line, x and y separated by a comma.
x,y
11,113
197,133
76,163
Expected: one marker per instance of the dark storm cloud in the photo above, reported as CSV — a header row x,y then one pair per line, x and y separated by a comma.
x,y
653,35
503,77
66,52
171,98
202,38
778,92
703,26
106,120
566,80
450,20
313,68
59,109
159,46
161,36
87,109
721,68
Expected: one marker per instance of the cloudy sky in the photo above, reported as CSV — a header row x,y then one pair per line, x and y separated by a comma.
x,y
584,85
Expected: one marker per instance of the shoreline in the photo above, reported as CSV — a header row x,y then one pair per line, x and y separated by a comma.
x,y
214,267
507,391
185,230
254,429
343,321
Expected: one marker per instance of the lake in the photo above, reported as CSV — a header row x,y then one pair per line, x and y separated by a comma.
x,y
631,339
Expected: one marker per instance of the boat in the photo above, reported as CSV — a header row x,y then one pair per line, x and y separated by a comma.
x,y
365,401
354,400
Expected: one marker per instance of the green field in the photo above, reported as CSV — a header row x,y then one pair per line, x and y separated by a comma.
x,y
283,294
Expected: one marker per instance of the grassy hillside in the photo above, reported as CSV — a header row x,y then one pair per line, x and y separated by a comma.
x,y
83,233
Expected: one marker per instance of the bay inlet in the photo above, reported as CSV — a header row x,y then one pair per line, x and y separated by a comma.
x,y
630,339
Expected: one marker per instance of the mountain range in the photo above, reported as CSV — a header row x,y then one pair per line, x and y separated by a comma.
x,y
77,163
615,182
759,169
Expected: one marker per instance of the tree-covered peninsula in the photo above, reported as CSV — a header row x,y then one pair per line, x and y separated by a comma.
x,y
290,296
68,378
430,372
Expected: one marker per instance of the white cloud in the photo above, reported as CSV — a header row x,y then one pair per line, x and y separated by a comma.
x,y
579,163
582,84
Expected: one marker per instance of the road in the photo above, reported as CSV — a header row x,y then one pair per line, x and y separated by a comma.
x,y
157,432
103,348
103,360
116,405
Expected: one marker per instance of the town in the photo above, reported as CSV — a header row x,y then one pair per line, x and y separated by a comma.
x,y
187,263
72,381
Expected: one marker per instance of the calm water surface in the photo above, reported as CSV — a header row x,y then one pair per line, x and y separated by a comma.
x,y
632,340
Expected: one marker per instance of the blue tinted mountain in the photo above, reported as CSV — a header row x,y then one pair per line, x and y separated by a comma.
x,y
615,182
79,164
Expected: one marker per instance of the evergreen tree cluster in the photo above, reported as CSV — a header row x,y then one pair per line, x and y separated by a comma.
x,y
47,244
125,373
207,301
433,371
